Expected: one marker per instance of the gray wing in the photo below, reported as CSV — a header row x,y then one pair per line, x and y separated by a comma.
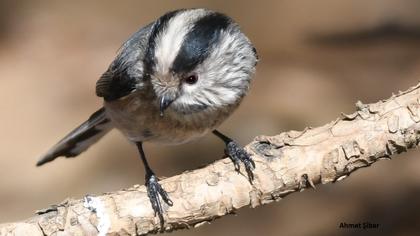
x,y
126,71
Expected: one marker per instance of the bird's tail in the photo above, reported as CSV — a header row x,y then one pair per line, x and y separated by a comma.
x,y
81,138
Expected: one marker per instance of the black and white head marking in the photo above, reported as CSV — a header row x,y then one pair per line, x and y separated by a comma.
x,y
194,59
198,42
204,44
157,30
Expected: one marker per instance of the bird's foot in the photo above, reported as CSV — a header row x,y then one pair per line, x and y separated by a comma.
x,y
237,154
155,193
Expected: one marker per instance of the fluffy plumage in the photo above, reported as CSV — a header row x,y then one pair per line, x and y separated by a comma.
x,y
173,81
182,43
154,62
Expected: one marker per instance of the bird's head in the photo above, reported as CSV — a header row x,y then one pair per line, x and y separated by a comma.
x,y
198,59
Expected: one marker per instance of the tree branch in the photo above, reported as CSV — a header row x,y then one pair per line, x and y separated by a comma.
x,y
285,163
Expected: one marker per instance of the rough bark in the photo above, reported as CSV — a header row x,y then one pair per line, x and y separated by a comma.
x,y
285,163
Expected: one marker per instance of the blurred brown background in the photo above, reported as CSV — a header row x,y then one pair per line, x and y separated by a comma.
x,y
317,59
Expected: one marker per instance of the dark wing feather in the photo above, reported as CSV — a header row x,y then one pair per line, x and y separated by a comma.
x,y
115,84
125,72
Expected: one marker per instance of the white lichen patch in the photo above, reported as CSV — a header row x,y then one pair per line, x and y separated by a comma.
x,y
96,205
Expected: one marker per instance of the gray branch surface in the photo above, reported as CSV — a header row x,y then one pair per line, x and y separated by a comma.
x,y
285,163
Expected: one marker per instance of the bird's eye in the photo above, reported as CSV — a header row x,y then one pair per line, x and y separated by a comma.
x,y
192,79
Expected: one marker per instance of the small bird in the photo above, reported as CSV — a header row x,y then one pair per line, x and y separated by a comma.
x,y
173,81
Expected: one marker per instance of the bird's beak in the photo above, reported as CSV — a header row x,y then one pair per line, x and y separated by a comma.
x,y
164,103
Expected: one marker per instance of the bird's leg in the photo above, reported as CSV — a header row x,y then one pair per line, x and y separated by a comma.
x,y
154,189
237,154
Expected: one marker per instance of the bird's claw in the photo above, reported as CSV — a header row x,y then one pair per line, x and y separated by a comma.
x,y
155,193
237,154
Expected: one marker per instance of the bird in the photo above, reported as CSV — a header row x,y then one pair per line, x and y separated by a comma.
x,y
173,81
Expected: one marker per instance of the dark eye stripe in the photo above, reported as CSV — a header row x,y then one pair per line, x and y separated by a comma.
x,y
197,43
158,27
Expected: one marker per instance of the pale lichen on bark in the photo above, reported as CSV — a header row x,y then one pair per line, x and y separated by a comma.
x,y
285,163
